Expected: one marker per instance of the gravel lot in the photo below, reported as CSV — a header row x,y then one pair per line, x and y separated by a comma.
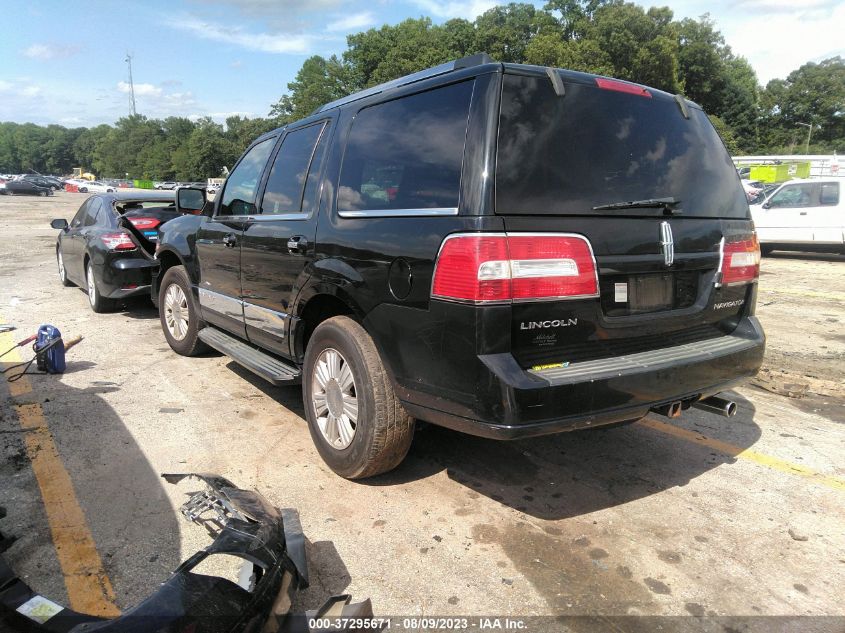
x,y
697,516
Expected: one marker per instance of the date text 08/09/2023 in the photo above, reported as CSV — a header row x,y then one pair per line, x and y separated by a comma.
x,y
415,624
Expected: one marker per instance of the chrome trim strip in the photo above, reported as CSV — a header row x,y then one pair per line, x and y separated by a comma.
x,y
651,360
398,213
222,304
270,321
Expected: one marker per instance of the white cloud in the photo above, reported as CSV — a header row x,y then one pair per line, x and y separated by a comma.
x,y
455,8
238,36
784,41
141,90
351,22
46,52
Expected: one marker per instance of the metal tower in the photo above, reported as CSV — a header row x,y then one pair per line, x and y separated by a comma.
x,y
131,86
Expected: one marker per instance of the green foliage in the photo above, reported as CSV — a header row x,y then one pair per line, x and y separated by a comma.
x,y
173,148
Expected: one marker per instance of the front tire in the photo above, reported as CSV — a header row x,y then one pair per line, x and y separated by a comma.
x,y
356,421
99,303
60,262
179,315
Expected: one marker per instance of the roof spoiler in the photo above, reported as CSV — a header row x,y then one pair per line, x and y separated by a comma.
x,y
442,69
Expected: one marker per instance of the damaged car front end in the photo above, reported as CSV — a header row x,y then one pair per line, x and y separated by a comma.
x,y
243,524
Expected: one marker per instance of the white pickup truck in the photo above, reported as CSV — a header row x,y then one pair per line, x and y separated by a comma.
x,y
802,215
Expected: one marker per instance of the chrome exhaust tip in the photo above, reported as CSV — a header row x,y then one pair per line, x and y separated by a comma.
x,y
717,405
671,410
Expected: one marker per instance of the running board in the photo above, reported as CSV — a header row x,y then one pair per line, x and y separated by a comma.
x,y
268,367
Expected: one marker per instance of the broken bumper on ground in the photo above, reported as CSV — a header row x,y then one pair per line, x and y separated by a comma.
x,y
242,523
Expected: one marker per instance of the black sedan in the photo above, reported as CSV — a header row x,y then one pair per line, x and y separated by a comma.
x,y
25,187
106,247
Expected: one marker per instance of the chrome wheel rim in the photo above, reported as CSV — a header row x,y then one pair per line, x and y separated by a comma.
x,y
92,285
176,312
61,265
334,397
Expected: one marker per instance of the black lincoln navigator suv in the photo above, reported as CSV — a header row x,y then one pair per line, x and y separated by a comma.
x,y
501,249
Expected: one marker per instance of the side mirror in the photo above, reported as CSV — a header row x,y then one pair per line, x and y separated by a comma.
x,y
190,200
767,205
59,224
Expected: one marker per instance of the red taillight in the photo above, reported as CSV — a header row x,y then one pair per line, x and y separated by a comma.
x,y
483,267
118,241
740,261
622,86
144,224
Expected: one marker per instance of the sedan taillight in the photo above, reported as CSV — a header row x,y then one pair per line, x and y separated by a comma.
x,y
144,224
118,241
500,267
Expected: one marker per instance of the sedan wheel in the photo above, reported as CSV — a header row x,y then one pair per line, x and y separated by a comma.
x,y
60,261
176,312
335,398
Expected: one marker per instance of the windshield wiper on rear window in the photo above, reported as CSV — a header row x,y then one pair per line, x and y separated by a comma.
x,y
667,204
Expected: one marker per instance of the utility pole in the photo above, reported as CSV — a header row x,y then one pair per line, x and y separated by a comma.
x,y
809,127
128,60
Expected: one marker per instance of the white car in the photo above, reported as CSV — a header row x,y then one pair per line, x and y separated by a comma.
x,y
95,186
803,215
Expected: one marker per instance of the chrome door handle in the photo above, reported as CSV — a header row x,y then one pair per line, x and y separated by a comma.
x,y
297,244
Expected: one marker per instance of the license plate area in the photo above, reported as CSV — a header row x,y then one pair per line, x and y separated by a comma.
x,y
650,293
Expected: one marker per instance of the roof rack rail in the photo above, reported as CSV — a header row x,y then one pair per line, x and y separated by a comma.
x,y
442,69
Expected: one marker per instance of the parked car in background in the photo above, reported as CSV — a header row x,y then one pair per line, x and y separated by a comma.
x,y
98,251
762,194
495,248
96,186
25,187
167,185
42,181
802,215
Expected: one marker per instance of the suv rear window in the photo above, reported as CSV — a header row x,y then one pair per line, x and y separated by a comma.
x,y
407,153
565,155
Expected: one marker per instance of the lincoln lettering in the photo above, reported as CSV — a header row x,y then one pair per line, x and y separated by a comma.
x,y
534,325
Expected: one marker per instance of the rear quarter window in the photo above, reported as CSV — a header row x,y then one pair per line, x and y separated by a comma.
x,y
406,153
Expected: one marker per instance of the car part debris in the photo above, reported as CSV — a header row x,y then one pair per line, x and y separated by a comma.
x,y
243,524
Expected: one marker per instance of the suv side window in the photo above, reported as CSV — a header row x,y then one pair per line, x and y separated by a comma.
x,y
286,184
242,183
829,196
793,196
406,154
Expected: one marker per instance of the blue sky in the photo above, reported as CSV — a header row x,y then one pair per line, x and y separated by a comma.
x,y
63,62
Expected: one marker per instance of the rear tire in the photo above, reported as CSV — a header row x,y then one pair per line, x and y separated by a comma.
x,y
178,313
99,303
344,378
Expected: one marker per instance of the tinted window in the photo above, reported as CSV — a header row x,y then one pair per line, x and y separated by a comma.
x,y
290,169
407,153
829,195
242,183
92,213
565,155
80,215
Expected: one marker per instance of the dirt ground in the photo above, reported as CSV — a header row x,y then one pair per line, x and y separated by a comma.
x,y
700,516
